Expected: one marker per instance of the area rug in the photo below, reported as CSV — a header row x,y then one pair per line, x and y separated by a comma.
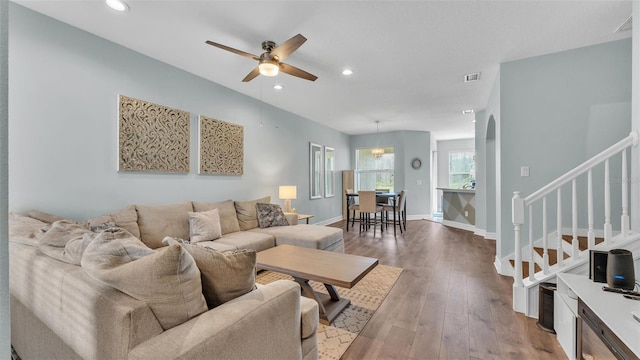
x,y
366,297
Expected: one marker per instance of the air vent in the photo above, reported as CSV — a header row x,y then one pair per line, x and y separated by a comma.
x,y
472,77
626,25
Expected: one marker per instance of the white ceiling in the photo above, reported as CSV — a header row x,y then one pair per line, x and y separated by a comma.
x,y
408,57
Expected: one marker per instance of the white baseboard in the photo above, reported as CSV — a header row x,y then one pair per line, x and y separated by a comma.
x,y
491,236
326,222
458,225
419,217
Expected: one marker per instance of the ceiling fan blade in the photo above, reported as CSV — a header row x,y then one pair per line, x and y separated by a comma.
x,y
252,75
285,49
292,70
235,51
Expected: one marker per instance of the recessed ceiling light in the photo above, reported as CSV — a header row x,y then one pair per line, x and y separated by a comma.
x,y
117,5
469,111
474,120
347,72
278,86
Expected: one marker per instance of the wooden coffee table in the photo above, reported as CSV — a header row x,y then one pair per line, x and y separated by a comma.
x,y
328,267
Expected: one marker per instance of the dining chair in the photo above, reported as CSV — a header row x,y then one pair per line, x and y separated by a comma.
x,y
352,205
401,217
367,207
382,200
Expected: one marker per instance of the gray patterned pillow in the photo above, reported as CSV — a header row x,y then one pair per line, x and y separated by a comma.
x,y
270,215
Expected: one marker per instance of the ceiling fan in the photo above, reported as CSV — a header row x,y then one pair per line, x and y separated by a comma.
x,y
270,62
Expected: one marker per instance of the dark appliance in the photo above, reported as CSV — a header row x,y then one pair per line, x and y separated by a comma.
x,y
598,265
620,272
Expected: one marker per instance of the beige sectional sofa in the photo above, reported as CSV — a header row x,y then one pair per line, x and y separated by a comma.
x,y
58,311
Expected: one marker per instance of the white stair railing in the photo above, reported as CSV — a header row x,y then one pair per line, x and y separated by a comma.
x,y
520,206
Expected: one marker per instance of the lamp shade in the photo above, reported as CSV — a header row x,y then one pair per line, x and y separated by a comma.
x,y
287,192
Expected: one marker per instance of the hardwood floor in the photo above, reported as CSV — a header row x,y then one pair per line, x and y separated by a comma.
x,y
449,302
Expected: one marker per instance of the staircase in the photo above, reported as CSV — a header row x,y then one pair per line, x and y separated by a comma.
x,y
542,254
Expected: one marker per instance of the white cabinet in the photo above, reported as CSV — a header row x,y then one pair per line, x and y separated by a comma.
x,y
565,324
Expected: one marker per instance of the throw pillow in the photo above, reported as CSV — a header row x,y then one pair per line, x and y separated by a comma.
x,y
225,275
158,221
204,226
25,229
247,215
226,210
270,215
167,280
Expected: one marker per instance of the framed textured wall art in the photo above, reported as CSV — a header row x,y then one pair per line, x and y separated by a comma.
x,y
152,137
221,147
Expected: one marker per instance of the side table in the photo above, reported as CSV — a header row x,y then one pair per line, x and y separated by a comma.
x,y
304,217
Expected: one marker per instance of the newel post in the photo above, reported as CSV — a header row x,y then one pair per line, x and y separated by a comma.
x,y
517,217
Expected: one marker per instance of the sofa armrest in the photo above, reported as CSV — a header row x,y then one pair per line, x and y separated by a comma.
x,y
263,324
292,218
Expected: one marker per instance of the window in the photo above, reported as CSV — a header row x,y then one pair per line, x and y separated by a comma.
x,y
372,173
462,169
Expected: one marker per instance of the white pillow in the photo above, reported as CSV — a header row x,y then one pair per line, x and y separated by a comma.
x,y
204,226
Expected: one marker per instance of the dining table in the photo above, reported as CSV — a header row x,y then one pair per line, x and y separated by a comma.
x,y
388,195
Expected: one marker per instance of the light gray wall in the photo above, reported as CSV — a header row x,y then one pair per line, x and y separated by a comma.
x,y
446,146
557,111
63,116
481,176
635,124
5,310
407,145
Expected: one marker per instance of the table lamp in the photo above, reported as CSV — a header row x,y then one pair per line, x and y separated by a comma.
x,y
287,193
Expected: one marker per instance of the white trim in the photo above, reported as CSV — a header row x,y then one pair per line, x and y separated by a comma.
x,y
458,225
328,221
419,217
491,236
480,232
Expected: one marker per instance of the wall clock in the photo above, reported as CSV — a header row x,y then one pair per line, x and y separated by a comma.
x,y
416,163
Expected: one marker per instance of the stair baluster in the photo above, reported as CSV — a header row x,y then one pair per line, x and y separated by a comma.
x,y
591,235
624,221
575,250
559,250
608,231
531,255
545,240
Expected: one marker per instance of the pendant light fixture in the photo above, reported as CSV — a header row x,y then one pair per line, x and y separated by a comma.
x,y
377,151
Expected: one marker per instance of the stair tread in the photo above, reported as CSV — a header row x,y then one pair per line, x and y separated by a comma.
x,y
525,268
582,241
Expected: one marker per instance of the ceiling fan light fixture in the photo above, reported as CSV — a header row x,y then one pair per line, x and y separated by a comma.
x,y
268,67
117,5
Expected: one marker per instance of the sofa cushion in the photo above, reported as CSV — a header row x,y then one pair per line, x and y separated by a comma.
x,y
248,240
309,317
158,221
270,215
217,245
303,235
25,229
45,217
126,218
168,279
204,226
226,211
247,214
225,276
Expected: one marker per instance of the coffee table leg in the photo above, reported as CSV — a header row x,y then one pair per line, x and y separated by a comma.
x,y
330,306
